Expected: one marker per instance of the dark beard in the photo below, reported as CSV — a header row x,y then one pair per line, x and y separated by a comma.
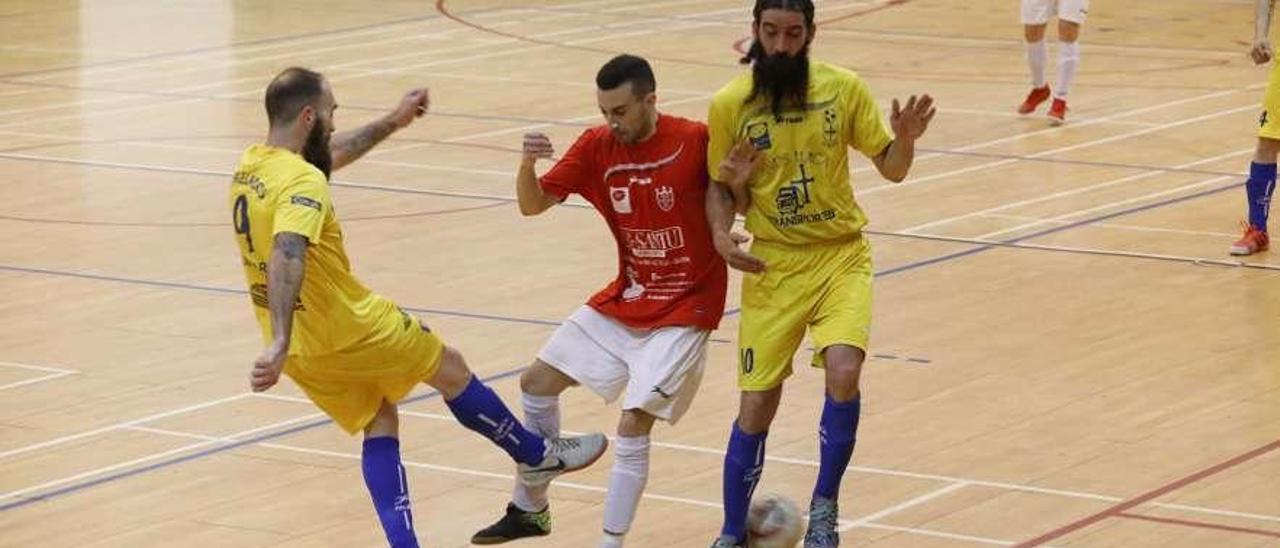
x,y
781,79
316,151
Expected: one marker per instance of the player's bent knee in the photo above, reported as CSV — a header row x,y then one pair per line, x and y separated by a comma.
x,y
452,376
543,380
386,423
635,422
757,409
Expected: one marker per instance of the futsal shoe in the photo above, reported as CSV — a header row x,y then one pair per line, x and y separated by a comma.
x,y
1253,241
564,455
1058,112
1037,96
516,524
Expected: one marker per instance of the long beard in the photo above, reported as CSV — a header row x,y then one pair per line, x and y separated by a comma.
x,y
781,79
316,151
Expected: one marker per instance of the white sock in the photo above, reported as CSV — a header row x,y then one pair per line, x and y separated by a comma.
x,y
1037,57
611,541
1068,59
626,483
542,416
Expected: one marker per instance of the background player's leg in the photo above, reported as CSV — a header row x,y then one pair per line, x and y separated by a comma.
x,y
1037,57
1258,190
1068,60
384,476
837,433
744,458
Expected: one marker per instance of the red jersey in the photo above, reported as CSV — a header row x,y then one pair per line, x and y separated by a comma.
x,y
652,195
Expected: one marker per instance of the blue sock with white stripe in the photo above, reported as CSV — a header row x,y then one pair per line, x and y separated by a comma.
x,y
743,464
384,476
481,410
1261,183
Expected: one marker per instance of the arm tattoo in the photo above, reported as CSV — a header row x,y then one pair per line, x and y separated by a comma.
x,y
285,273
349,146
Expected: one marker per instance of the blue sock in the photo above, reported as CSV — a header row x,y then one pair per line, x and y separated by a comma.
x,y
1261,183
837,432
743,464
384,475
481,410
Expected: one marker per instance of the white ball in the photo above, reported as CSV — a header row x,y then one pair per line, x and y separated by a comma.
x,y
774,521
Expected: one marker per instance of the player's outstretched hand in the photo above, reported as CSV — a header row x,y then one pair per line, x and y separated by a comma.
x,y
911,121
413,105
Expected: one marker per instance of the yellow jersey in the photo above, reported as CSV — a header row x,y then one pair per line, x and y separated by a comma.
x,y
275,190
801,193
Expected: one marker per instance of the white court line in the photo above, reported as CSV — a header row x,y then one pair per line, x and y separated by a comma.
x,y
936,493
1079,212
119,425
1072,192
35,380
41,368
1135,228
1013,114
559,482
1203,261
1090,122
940,534
913,475
1068,148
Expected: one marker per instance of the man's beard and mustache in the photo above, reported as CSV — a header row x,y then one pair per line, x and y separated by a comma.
x,y
316,150
782,79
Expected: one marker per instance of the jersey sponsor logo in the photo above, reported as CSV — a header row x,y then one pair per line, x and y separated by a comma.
x,y
306,202
653,243
1262,119
666,197
621,198
758,134
793,197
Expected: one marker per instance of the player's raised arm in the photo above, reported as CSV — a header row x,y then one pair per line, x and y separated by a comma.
x,y
533,199
350,145
909,122
285,272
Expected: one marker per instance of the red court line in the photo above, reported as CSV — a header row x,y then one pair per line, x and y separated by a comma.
x,y
1148,496
1201,524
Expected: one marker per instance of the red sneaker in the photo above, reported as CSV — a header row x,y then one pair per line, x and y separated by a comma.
x,y
1058,112
1253,241
1037,96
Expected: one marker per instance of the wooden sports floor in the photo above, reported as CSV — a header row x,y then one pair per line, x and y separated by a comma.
x,y
1063,352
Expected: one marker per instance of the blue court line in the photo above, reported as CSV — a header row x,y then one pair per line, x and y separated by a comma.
x,y
981,248
177,460
26,500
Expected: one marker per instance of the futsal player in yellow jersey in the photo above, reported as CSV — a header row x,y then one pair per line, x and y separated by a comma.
x,y
1262,171
353,352
810,265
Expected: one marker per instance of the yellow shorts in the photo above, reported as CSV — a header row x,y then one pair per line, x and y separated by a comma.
x,y
824,288
349,385
1269,120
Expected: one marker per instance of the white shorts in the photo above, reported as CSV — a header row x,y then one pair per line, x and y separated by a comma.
x,y
660,369
1038,12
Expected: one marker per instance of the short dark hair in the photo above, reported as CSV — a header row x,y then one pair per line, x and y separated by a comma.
x,y
627,68
805,7
289,91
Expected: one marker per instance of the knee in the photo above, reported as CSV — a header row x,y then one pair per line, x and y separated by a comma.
x,y
1068,31
1033,33
635,423
756,411
452,376
541,379
385,423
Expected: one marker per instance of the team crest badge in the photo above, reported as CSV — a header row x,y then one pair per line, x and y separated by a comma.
x,y
666,197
